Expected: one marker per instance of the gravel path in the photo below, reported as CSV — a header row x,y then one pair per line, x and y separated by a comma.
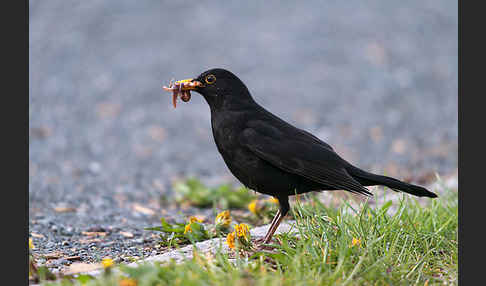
x,y
377,80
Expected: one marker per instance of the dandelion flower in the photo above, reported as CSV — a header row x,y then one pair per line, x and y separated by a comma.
x,y
253,206
31,244
194,219
187,228
107,262
242,230
223,218
128,282
356,241
230,240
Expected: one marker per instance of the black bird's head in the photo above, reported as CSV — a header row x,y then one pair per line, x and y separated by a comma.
x,y
219,87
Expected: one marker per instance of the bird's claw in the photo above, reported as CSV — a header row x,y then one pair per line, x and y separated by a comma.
x,y
260,244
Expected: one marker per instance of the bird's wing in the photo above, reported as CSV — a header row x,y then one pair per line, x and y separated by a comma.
x,y
284,126
310,160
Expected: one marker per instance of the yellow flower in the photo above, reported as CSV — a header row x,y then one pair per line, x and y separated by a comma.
x,y
194,219
242,230
273,200
187,228
356,241
107,262
31,244
223,218
128,282
230,240
252,206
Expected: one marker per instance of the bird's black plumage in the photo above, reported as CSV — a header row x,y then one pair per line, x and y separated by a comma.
x,y
273,157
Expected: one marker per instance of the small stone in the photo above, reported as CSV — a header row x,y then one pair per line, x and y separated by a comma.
x,y
50,244
138,241
59,262
107,244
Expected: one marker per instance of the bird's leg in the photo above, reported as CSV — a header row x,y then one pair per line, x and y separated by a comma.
x,y
283,210
273,227
270,232
275,217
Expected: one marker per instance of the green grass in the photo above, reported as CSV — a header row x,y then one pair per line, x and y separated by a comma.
x,y
195,193
414,245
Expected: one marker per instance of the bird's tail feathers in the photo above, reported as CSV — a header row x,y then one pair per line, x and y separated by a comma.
x,y
369,179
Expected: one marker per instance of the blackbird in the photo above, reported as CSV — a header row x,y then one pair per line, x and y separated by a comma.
x,y
269,155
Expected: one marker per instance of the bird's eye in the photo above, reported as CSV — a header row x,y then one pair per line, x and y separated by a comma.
x,y
210,79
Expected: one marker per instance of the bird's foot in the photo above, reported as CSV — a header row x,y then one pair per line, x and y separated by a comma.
x,y
260,244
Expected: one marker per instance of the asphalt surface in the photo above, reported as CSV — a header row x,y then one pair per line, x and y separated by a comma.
x,y
377,80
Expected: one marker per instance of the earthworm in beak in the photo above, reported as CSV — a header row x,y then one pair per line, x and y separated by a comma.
x,y
183,89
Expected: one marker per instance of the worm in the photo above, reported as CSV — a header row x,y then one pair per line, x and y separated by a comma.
x,y
176,88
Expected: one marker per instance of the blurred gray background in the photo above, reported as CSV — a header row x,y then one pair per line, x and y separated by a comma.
x,y
377,80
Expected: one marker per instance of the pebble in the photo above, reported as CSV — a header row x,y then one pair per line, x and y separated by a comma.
x,y
138,241
50,244
106,244
61,261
